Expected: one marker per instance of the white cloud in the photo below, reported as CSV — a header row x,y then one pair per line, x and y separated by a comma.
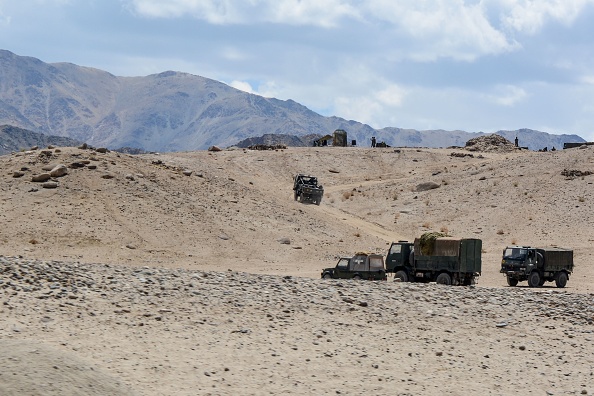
x,y
420,30
242,86
233,54
508,95
292,12
391,96
587,79
529,16
443,28
4,19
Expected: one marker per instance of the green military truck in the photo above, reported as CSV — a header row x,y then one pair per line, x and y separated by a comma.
x,y
536,265
444,260
360,266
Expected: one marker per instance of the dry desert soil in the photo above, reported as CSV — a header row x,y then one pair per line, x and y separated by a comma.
x,y
197,273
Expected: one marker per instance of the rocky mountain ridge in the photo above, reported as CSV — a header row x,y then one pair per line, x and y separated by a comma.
x,y
16,139
174,111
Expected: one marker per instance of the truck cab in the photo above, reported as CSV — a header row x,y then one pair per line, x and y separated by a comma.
x,y
360,266
399,259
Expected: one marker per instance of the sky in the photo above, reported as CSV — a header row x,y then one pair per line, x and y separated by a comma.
x,y
473,65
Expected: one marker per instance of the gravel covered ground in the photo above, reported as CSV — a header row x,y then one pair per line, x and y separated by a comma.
x,y
111,329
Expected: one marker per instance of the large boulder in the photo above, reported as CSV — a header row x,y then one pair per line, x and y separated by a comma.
x,y
59,171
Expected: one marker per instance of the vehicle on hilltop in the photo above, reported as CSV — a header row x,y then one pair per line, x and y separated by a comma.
x,y
306,189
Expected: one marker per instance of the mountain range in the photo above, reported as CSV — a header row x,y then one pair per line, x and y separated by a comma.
x,y
175,111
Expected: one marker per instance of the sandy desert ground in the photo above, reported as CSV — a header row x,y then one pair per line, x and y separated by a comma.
x,y
197,273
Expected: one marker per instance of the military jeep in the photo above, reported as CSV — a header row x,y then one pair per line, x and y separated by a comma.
x,y
360,266
306,189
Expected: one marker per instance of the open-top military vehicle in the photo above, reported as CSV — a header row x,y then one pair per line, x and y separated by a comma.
x,y
360,266
444,260
537,265
307,189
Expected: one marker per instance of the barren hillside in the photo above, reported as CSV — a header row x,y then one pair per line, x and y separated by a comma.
x,y
235,209
197,273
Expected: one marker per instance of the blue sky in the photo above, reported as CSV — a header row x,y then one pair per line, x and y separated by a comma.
x,y
474,65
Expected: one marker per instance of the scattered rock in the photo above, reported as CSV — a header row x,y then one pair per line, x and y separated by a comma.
x,y
284,241
50,184
43,177
214,148
462,155
187,172
573,173
59,171
107,176
492,142
18,174
426,186
102,150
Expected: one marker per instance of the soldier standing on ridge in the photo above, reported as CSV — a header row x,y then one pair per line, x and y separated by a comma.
x,y
516,142
373,141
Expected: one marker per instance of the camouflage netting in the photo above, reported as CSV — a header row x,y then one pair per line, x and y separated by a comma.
x,y
427,242
490,143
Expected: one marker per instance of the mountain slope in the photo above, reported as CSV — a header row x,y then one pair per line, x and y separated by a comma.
x,y
15,139
173,111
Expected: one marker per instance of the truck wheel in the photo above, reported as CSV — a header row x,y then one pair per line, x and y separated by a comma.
x,y
561,279
327,276
512,281
357,277
534,279
401,276
295,195
444,279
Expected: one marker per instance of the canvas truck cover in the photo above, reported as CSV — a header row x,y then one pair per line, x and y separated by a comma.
x,y
443,246
447,247
556,259
462,255
470,255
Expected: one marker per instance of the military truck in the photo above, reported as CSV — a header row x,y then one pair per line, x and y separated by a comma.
x,y
536,265
306,189
360,266
444,260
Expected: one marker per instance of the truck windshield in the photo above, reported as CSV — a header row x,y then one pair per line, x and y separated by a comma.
x,y
343,263
515,254
395,249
